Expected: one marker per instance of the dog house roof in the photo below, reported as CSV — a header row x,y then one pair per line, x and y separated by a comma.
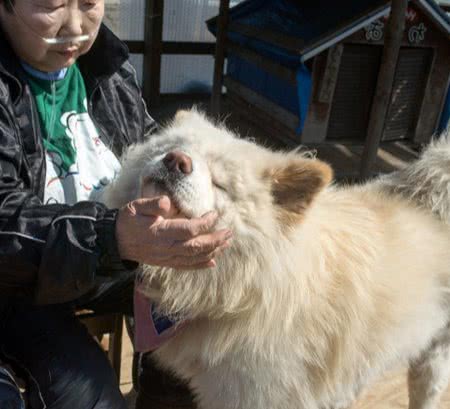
x,y
306,27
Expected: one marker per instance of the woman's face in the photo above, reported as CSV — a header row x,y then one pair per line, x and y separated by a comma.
x,y
32,19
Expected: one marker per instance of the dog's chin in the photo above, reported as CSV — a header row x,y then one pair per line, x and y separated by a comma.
x,y
177,208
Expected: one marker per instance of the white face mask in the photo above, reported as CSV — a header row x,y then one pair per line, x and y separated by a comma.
x,y
52,40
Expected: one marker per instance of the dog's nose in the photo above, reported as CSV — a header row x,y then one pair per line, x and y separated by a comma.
x,y
178,161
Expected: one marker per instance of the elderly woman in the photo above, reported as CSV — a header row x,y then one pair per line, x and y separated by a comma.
x,y
69,105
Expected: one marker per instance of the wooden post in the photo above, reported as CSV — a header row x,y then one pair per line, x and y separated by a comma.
x,y
152,51
115,345
393,38
221,37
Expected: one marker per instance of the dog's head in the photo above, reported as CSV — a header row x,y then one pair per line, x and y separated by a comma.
x,y
259,194
202,167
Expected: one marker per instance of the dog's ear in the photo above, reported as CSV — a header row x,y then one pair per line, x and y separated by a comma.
x,y
295,184
184,115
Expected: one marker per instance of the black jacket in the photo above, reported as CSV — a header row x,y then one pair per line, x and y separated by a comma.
x,y
54,253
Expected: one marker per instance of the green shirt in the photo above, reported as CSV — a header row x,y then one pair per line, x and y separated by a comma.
x,y
79,165
53,100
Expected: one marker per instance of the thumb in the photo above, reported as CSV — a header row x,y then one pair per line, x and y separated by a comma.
x,y
156,206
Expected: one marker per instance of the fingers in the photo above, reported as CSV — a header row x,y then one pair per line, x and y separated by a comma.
x,y
210,264
185,254
185,262
185,229
175,243
199,246
204,244
205,260
157,206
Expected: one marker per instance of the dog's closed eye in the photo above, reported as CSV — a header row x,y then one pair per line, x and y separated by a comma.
x,y
219,185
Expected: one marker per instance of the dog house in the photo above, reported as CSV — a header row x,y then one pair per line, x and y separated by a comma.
x,y
307,70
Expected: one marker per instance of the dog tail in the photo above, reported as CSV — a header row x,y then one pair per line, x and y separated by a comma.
x,y
427,180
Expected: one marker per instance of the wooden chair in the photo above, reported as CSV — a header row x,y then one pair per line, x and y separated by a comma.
x,y
100,324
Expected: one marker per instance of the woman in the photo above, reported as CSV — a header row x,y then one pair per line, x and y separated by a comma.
x,y
69,105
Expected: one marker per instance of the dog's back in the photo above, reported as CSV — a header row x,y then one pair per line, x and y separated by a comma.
x,y
426,182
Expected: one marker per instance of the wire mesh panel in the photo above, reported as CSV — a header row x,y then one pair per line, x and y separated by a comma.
x,y
186,73
126,18
184,21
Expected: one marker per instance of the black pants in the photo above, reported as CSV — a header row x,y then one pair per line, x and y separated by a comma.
x,y
63,365
10,397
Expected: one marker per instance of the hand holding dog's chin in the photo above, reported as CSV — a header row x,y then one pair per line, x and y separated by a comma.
x,y
147,231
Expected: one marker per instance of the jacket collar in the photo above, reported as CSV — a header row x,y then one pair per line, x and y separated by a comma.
x,y
10,65
105,57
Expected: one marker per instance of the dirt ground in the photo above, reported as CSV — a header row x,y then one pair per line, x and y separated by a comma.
x,y
126,384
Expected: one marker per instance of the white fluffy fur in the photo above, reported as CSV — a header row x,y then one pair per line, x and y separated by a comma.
x,y
427,181
323,288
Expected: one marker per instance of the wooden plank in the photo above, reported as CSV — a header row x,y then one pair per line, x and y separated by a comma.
x,y
152,51
115,345
184,96
328,84
271,109
278,39
270,66
393,39
272,128
185,47
221,39
135,47
316,121
174,47
434,97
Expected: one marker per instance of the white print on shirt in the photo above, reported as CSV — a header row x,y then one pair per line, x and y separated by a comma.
x,y
94,168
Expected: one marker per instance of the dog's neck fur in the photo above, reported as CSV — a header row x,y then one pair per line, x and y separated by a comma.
x,y
219,296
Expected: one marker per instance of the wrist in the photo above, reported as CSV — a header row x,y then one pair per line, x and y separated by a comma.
x,y
111,255
120,236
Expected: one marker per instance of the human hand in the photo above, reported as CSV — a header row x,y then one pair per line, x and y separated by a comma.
x,y
146,235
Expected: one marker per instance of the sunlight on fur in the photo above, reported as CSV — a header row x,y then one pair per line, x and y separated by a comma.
x,y
323,288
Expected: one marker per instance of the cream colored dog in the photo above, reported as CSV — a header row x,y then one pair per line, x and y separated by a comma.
x,y
323,288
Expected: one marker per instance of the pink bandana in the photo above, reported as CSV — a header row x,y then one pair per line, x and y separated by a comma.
x,y
151,329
